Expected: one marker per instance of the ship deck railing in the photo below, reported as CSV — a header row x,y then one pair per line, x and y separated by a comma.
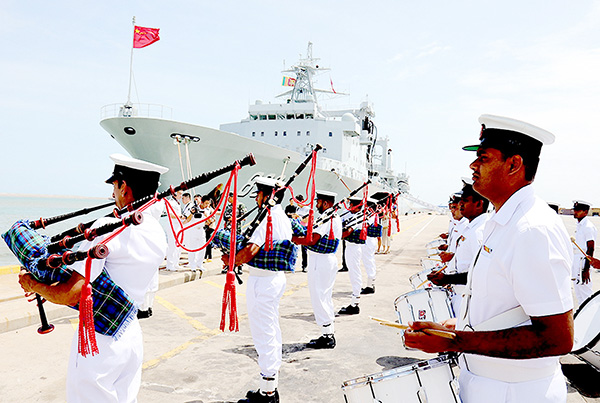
x,y
136,110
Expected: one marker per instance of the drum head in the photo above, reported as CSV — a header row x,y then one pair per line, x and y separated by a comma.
x,y
587,323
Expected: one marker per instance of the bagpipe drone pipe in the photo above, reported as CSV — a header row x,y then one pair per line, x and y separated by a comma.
x,y
47,259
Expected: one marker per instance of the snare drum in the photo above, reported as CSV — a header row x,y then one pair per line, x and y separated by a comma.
x,y
420,277
431,304
586,345
429,381
429,264
435,243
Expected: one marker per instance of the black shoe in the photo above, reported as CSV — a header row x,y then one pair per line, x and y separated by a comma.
x,y
349,310
144,314
368,290
254,396
322,342
343,269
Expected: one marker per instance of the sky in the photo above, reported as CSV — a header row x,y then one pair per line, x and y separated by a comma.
x,y
430,70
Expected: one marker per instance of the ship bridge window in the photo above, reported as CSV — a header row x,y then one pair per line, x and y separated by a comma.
x,y
253,117
300,116
253,134
280,116
289,116
271,117
275,133
330,134
298,132
308,132
262,134
284,133
263,117
309,116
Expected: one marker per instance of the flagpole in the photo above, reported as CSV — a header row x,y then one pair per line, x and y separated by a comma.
x,y
131,65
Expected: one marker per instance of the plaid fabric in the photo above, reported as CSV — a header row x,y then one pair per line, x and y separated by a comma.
x,y
354,237
222,239
325,245
113,308
297,228
374,231
30,247
281,258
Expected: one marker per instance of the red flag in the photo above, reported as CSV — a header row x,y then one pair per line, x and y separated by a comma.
x,y
143,37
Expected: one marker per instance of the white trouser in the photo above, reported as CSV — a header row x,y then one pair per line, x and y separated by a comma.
x,y
582,291
475,389
150,292
195,237
385,239
368,259
262,299
173,252
322,269
354,252
113,375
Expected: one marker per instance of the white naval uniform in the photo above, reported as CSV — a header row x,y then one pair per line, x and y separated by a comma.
x,y
156,210
265,289
525,261
173,251
322,269
385,239
584,232
456,233
195,237
353,257
368,256
467,246
114,375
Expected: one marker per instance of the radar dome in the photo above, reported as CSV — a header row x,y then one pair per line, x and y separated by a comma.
x,y
348,117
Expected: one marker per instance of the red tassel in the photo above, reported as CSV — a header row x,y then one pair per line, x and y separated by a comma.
x,y
363,231
376,219
229,299
309,225
389,230
331,234
269,235
87,331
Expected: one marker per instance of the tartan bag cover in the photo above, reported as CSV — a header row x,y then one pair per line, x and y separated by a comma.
x,y
354,237
281,258
30,247
374,231
223,238
325,245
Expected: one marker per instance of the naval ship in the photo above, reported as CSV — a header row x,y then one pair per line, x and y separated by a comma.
x,y
280,135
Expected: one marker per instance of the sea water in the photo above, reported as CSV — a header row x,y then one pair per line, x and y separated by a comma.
x,y
32,207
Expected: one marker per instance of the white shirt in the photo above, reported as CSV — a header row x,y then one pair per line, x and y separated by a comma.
x,y
134,256
323,229
282,228
584,232
525,261
456,233
468,244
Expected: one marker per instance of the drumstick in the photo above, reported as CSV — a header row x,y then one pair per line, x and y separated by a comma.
x,y
433,332
430,258
581,250
435,272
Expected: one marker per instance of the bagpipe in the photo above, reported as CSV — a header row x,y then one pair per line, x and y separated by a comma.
x,y
47,259
280,255
374,230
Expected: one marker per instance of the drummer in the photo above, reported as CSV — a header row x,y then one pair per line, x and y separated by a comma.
x,y
454,212
457,226
473,208
522,271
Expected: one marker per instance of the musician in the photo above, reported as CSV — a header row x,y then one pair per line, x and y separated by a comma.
x,y
195,237
174,213
585,238
473,207
369,248
516,316
353,252
266,284
114,374
322,268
